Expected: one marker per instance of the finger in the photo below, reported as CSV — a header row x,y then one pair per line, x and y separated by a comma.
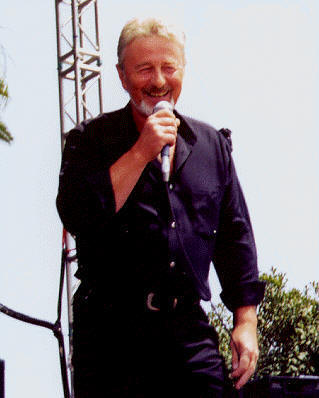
x,y
245,370
163,112
166,121
163,127
169,136
242,367
245,377
235,358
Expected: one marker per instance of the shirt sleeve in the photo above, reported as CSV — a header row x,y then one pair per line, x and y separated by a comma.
x,y
85,196
235,257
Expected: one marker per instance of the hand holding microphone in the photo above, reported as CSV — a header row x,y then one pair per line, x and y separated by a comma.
x,y
158,132
165,151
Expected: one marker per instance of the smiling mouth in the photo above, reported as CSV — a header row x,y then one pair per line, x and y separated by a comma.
x,y
157,95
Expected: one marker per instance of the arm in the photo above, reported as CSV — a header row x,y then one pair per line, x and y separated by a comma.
x,y
235,256
159,129
236,265
125,173
92,187
244,345
85,196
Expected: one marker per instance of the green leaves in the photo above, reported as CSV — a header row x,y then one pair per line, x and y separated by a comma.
x,y
4,133
4,95
288,329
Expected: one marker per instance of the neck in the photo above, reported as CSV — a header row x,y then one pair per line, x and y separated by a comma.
x,y
138,117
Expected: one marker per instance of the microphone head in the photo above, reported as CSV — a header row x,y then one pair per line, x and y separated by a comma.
x,y
163,105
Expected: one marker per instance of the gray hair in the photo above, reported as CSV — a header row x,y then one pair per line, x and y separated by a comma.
x,y
147,27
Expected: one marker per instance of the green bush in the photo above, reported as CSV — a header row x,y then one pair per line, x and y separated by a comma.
x,y
288,329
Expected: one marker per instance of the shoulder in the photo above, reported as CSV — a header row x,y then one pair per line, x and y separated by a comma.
x,y
98,130
206,132
102,121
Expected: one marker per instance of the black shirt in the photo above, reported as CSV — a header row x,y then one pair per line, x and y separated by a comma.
x,y
166,235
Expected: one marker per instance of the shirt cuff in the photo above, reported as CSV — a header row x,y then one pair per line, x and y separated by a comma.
x,y
248,293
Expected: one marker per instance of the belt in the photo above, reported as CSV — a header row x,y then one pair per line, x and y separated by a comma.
x,y
156,302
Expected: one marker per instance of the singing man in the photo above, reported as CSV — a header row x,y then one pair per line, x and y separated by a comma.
x,y
145,245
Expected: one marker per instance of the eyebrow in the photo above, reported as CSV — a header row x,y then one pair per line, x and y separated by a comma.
x,y
139,66
166,63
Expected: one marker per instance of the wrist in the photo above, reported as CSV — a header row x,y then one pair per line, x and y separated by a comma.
x,y
245,315
138,156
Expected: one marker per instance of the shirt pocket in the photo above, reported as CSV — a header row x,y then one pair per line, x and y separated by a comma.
x,y
205,212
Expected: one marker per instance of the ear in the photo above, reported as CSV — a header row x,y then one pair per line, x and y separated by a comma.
x,y
122,76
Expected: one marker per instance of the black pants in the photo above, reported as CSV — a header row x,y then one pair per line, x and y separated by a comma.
x,y
121,352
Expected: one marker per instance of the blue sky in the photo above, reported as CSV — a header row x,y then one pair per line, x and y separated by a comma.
x,y
252,66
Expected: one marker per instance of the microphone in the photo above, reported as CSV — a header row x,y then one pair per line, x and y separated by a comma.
x,y
165,151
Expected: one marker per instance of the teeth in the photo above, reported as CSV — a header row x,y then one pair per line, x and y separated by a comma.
x,y
158,95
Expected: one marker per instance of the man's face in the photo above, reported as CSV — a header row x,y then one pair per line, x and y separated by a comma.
x,y
153,71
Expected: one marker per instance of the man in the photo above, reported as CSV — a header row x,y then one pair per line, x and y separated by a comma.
x,y
144,246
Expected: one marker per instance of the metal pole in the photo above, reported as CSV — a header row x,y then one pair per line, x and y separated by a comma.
x,y
59,66
76,60
99,48
76,57
69,290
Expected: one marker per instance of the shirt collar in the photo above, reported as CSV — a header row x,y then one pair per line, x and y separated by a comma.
x,y
186,139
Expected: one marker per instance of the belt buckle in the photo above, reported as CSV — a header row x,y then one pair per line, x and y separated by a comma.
x,y
151,307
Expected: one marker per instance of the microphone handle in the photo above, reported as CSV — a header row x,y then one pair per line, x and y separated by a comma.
x,y
165,151
165,163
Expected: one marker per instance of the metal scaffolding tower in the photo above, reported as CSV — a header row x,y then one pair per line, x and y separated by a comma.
x,y
80,96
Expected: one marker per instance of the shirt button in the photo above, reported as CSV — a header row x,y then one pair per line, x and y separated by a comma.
x,y
214,232
172,264
173,225
171,186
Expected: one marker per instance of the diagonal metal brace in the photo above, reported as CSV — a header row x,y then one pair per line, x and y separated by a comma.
x,y
55,327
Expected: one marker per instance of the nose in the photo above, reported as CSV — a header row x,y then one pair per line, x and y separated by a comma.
x,y
158,79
